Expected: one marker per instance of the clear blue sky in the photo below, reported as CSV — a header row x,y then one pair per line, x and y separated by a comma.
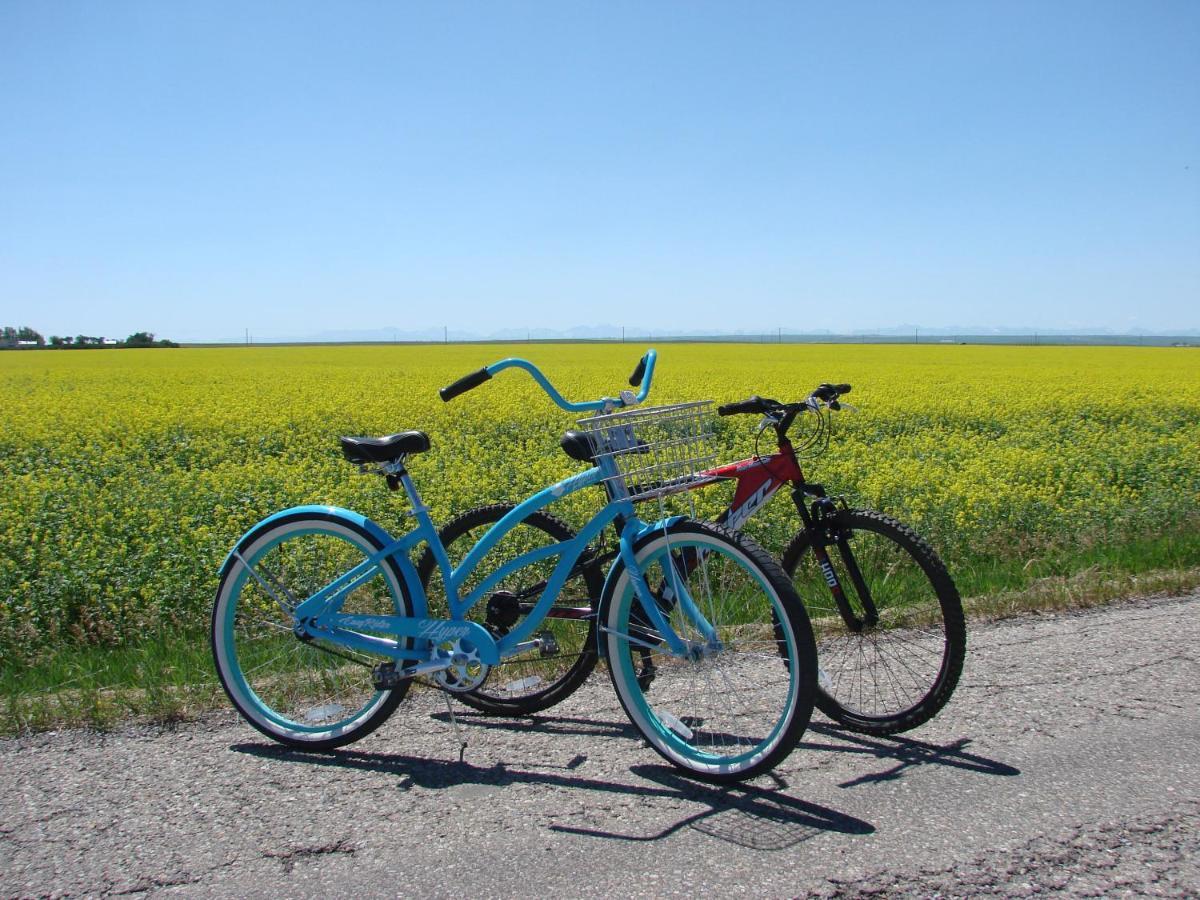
x,y
197,169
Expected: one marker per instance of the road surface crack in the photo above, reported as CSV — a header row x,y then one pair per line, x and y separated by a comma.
x,y
292,855
153,882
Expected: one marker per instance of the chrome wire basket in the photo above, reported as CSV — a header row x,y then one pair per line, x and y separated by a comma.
x,y
656,450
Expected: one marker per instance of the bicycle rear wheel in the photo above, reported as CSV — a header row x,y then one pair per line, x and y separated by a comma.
x,y
530,682
312,693
895,673
738,703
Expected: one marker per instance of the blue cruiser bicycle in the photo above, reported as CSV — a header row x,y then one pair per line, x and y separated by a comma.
x,y
322,621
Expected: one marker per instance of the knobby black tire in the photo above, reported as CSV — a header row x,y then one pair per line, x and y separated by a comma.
x,y
561,685
738,710
926,639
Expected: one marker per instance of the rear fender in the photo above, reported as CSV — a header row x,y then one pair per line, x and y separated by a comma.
x,y
399,561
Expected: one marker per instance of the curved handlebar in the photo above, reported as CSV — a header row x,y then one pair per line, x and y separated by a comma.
x,y
645,370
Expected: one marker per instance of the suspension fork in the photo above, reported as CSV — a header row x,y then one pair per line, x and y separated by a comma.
x,y
822,529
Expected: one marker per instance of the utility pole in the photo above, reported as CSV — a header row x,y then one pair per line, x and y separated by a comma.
x,y
247,337
622,334
916,335
445,334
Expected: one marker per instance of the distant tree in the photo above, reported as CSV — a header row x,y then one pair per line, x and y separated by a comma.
x,y
146,339
12,337
25,333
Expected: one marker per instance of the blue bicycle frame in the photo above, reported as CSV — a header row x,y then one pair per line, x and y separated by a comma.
x,y
415,639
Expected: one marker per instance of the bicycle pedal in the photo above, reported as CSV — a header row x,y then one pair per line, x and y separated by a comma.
x,y
386,676
549,645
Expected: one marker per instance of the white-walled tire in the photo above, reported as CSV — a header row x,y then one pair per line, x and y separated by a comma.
x,y
291,690
732,712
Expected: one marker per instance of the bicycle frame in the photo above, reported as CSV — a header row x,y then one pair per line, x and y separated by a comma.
x,y
415,639
758,478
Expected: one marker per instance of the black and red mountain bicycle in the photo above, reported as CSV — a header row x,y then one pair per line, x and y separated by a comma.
x,y
888,620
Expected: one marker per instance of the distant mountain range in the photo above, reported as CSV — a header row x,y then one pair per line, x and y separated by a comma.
x,y
981,330
639,334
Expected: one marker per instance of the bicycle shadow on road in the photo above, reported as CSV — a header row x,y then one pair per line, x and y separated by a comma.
x,y
543,723
749,816
743,814
906,752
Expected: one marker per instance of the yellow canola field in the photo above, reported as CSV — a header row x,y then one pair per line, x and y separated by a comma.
x,y
127,475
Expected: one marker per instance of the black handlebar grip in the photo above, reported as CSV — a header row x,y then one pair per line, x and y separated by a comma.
x,y
829,391
753,405
635,379
464,384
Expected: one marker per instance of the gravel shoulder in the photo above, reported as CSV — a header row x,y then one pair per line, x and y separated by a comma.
x,y
1065,762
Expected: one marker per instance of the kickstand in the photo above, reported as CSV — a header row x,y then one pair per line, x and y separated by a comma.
x,y
462,745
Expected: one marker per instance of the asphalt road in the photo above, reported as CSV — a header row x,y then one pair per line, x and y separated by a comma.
x,y
1067,760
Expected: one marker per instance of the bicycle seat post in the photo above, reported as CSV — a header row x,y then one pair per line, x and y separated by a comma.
x,y
396,471
420,512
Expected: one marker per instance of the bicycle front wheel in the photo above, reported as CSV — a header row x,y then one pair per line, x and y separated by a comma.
x,y
891,660
313,693
737,703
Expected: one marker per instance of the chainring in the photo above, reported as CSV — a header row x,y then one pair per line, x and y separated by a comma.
x,y
466,671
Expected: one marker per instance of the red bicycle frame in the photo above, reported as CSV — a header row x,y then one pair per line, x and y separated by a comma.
x,y
758,478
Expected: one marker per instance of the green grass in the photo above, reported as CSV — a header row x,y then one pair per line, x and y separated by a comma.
x,y
169,677
1075,578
